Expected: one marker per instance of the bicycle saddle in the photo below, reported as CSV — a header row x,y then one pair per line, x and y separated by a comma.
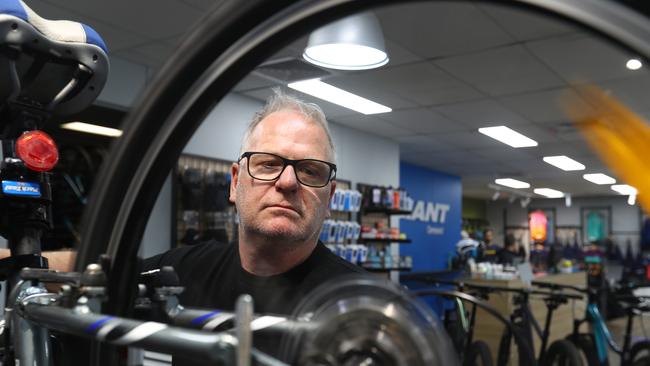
x,y
53,66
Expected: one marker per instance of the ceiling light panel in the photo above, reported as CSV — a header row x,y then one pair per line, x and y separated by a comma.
x,y
548,192
599,178
512,183
332,94
508,136
91,128
564,162
624,189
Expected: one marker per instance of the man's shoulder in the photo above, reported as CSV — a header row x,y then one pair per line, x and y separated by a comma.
x,y
331,263
191,254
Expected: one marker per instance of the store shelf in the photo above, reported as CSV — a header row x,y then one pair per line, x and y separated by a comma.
x,y
387,211
402,269
386,240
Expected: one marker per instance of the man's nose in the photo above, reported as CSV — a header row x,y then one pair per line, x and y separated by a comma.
x,y
287,179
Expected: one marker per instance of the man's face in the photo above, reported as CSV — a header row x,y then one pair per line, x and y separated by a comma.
x,y
283,209
488,236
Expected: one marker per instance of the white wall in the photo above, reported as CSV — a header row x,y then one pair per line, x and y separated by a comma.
x,y
362,158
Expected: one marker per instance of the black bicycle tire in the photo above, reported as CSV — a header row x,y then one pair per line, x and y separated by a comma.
x,y
643,361
640,347
562,349
478,350
585,344
505,343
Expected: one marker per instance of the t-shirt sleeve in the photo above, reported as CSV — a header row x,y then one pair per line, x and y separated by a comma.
x,y
181,258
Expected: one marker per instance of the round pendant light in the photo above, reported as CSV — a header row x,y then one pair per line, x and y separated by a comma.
x,y
352,43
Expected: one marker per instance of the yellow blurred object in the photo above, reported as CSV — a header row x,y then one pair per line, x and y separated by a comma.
x,y
620,137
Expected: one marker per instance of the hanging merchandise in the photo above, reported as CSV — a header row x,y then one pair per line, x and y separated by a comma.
x,y
645,234
537,222
595,227
203,211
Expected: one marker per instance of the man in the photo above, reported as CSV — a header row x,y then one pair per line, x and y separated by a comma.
x,y
511,254
281,186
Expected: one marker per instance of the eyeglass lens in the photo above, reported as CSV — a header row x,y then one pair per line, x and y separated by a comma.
x,y
269,167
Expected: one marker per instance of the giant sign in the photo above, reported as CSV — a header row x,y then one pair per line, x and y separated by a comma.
x,y
435,222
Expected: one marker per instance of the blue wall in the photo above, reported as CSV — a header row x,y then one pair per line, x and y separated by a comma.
x,y
434,226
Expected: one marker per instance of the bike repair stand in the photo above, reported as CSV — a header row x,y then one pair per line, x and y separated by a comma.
x,y
39,78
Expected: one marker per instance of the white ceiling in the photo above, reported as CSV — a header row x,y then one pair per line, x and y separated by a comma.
x,y
454,67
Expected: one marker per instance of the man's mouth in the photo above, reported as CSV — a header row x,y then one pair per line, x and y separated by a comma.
x,y
285,207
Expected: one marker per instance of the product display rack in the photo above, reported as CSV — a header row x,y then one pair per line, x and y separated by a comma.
x,y
382,215
384,240
201,210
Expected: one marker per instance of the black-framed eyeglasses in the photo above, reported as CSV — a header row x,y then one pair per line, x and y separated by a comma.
x,y
268,167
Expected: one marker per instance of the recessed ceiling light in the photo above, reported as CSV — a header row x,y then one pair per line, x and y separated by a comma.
x,y
90,128
633,64
512,183
332,94
548,192
508,136
624,189
564,162
599,178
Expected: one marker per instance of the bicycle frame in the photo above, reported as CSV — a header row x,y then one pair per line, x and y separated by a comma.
x,y
603,340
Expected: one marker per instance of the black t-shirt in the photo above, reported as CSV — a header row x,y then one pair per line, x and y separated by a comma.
x,y
213,277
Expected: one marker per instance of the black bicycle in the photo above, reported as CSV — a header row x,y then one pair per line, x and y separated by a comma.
x,y
597,341
560,352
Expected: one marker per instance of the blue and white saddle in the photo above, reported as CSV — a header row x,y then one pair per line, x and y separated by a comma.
x,y
59,66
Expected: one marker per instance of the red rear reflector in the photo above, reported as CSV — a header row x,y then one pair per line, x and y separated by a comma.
x,y
37,150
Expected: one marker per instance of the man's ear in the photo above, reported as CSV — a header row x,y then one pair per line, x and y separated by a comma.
x,y
332,189
234,177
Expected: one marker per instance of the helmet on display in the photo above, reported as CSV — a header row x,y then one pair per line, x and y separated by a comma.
x,y
467,247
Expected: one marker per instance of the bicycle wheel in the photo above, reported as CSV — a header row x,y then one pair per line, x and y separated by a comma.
x,y
504,348
562,353
479,355
585,343
640,353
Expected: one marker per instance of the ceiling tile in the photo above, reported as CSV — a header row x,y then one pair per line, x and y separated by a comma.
x,y
539,133
542,106
176,18
481,113
467,141
525,25
252,81
502,154
500,71
440,29
581,57
399,55
422,120
632,91
422,144
200,4
420,83
553,148
373,125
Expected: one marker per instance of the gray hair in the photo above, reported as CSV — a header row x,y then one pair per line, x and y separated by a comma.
x,y
281,101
